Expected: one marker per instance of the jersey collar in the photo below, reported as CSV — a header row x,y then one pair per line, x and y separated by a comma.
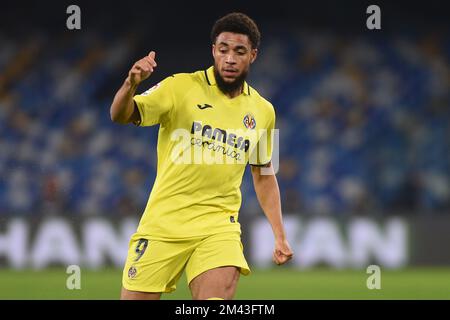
x,y
211,80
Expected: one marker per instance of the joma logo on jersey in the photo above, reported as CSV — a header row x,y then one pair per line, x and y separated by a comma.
x,y
221,135
204,106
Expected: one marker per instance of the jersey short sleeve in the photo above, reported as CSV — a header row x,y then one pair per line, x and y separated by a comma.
x,y
156,103
264,147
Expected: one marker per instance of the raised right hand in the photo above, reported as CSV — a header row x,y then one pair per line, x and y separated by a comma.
x,y
142,69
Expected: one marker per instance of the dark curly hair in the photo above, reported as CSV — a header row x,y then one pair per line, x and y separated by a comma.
x,y
237,22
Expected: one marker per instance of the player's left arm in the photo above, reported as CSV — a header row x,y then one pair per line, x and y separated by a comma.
x,y
268,194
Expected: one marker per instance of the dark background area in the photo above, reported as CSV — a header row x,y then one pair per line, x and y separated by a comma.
x,y
180,30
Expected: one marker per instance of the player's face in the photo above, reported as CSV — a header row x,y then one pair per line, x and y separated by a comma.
x,y
233,55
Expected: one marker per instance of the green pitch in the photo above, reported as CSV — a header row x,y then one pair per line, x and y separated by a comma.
x,y
282,283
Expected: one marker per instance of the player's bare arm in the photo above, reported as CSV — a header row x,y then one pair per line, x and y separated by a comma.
x,y
268,193
123,109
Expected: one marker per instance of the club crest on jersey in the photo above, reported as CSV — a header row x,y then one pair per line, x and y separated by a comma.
x,y
249,121
132,272
156,86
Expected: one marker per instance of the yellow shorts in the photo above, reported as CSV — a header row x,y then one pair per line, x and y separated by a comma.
x,y
156,266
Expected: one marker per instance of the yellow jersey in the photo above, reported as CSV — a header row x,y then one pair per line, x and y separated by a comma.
x,y
205,141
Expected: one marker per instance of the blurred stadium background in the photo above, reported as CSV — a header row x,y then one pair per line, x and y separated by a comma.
x,y
364,119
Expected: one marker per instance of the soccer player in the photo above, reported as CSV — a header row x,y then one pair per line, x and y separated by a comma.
x,y
191,218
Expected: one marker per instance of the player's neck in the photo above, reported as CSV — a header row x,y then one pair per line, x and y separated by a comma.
x,y
231,90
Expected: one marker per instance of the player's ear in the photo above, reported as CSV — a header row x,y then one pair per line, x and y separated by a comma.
x,y
254,54
213,51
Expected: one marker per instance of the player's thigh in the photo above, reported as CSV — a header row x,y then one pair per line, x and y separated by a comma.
x,y
136,295
219,282
154,266
215,265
